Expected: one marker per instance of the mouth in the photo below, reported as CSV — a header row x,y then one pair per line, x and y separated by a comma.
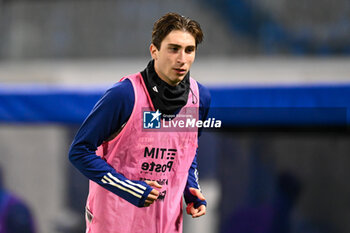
x,y
180,71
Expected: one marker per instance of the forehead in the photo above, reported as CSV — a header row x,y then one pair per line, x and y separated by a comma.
x,y
178,37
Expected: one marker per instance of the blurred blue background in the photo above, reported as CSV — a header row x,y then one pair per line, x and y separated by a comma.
x,y
279,76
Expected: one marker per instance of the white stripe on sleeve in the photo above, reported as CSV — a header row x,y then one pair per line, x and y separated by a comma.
x,y
138,185
120,187
124,184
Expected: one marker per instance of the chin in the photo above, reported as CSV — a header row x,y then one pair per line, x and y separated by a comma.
x,y
179,79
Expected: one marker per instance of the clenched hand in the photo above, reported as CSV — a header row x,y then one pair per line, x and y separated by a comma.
x,y
154,194
201,210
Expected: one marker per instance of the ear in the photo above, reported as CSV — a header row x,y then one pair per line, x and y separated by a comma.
x,y
154,51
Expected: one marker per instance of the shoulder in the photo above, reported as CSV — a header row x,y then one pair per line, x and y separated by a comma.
x,y
121,89
204,95
120,94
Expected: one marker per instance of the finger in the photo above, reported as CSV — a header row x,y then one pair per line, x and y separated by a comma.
x,y
194,211
152,197
188,208
153,183
157,185
197,193
201,211
149,202
154,192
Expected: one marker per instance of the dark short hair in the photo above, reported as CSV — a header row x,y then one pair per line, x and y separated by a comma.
x,y
173,21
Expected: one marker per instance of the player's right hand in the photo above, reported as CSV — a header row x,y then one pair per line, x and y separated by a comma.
x,y
154,194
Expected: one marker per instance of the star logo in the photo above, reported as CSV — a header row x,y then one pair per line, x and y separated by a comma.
x,y
156,115
151,120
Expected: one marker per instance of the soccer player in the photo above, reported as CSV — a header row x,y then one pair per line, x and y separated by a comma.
x,y
138,176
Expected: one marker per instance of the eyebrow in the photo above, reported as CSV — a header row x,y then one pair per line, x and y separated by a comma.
x,y
174,45
179,46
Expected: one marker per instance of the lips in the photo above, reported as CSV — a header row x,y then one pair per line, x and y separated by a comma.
x,y
180,71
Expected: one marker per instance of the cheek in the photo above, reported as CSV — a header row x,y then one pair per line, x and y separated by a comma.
x,y
168,62
190,59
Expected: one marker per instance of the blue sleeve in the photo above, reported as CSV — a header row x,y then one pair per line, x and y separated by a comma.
x,y
192,180
106,118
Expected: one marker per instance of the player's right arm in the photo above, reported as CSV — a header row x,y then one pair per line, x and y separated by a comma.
x,y
107,116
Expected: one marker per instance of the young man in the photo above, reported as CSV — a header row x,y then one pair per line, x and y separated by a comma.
x,y
132,167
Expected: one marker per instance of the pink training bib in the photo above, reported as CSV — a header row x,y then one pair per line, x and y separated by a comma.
x,y
164,155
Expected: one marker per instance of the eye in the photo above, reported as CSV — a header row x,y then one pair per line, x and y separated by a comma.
x,y
189,49
174,49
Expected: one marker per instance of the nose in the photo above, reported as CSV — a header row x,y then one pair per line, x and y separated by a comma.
x,y
181,58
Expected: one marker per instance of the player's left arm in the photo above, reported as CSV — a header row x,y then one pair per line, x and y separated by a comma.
x,y
196,203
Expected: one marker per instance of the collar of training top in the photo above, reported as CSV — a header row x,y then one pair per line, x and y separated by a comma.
x,y
168,99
